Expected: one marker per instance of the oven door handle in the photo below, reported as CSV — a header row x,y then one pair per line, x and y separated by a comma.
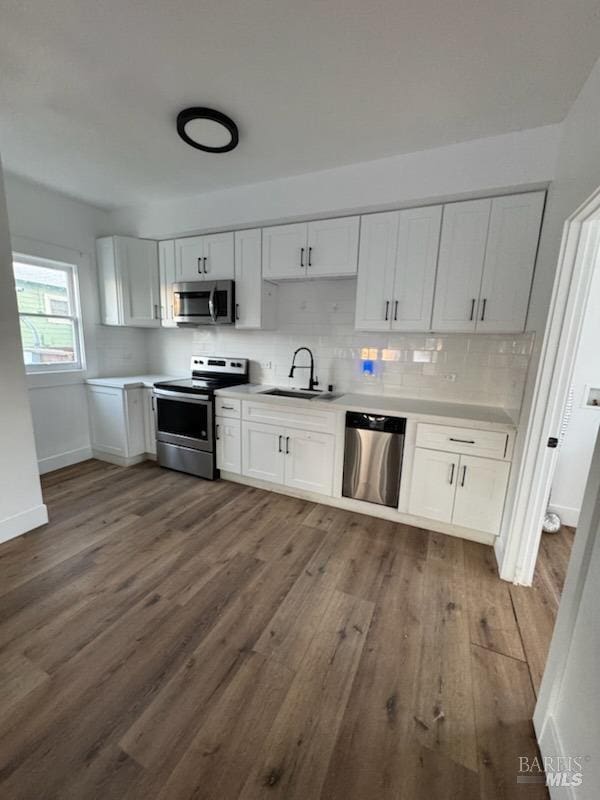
x,y
165,394
211,304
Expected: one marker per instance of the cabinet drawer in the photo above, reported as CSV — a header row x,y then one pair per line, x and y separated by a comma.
x,y
227,407
289,416
491,444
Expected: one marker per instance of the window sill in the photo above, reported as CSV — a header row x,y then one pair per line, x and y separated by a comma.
x,y
44,380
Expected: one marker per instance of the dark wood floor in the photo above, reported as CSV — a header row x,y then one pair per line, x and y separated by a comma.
x,y
165,637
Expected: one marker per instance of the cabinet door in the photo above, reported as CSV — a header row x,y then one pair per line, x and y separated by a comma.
x,y
108,425
149,433
480,493
509,261
309,461
433,484
263,456
460,265
166,265
416,264
137,265
229,444
111,309
376,267
285,251
248,279
189,258
218,252
332,247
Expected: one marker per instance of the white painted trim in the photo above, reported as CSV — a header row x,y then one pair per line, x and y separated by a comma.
x,y
23,522
65,459
522,529
568,515
550,745
360,507
120,461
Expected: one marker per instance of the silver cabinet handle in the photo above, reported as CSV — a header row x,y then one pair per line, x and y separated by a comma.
x,y
217,432
199,266
287,445
310,256
451,479
280,439
387,309
464,475
472,310
301,256
483,309
395,311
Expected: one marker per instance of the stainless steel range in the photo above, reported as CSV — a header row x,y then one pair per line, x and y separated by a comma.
x,y
184,415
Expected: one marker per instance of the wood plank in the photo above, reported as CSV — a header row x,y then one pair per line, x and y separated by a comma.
x,y
295,756
444,699
18,677
504,703
492,618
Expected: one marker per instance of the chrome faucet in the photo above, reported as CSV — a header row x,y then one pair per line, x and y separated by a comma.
x,y
312,381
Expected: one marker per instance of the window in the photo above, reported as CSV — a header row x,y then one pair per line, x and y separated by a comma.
x,y
48,304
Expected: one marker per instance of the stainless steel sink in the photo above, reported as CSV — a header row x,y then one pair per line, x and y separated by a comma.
x,y
298,393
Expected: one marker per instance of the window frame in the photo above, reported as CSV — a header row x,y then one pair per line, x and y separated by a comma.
x,y
74,317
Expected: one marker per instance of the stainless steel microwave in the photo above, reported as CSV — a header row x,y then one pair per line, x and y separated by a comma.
x,y
204,303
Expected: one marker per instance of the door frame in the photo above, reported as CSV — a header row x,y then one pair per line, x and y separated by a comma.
x,y
579,250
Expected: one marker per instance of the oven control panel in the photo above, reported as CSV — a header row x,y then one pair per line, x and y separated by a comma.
x,y
231,366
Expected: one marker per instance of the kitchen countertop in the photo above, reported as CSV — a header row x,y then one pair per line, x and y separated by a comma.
x,y
413,408
130,382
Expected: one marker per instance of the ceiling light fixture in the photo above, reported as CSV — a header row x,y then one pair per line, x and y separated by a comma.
x,y
207,129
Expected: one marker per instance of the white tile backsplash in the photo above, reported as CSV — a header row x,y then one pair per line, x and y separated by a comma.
x,y
479,369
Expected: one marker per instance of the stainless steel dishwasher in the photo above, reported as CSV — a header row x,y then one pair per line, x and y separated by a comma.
x,y
373,458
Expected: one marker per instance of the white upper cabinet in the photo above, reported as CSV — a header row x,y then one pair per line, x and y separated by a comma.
x,y
166,265
376,269
509,261
129,281
205,257
416,263
486,263
462,251
322,249
332,247
285,251
255,299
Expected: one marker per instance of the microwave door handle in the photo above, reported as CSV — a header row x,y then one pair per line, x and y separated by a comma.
x,y
211,304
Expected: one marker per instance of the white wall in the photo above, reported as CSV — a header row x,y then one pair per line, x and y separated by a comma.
x,y
483,166
576,450
577,177
21,505
486,370
46,223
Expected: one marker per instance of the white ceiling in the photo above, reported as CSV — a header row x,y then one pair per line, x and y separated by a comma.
x,y
89,89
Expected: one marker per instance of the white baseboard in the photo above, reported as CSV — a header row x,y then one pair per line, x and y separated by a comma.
x,y
568,515
23,522
120,461
60,460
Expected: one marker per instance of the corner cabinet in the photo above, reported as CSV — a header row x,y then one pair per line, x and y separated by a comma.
x,y
166,264
487,257
321,249
128,281
396,269
255,299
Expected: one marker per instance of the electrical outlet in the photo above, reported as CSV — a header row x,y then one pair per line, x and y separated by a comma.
x,y
267,364
451,376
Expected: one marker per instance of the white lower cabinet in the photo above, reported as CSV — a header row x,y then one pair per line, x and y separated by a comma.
x,y
263,456
117,422
463,490
228,435
432,486
480,492
296,458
